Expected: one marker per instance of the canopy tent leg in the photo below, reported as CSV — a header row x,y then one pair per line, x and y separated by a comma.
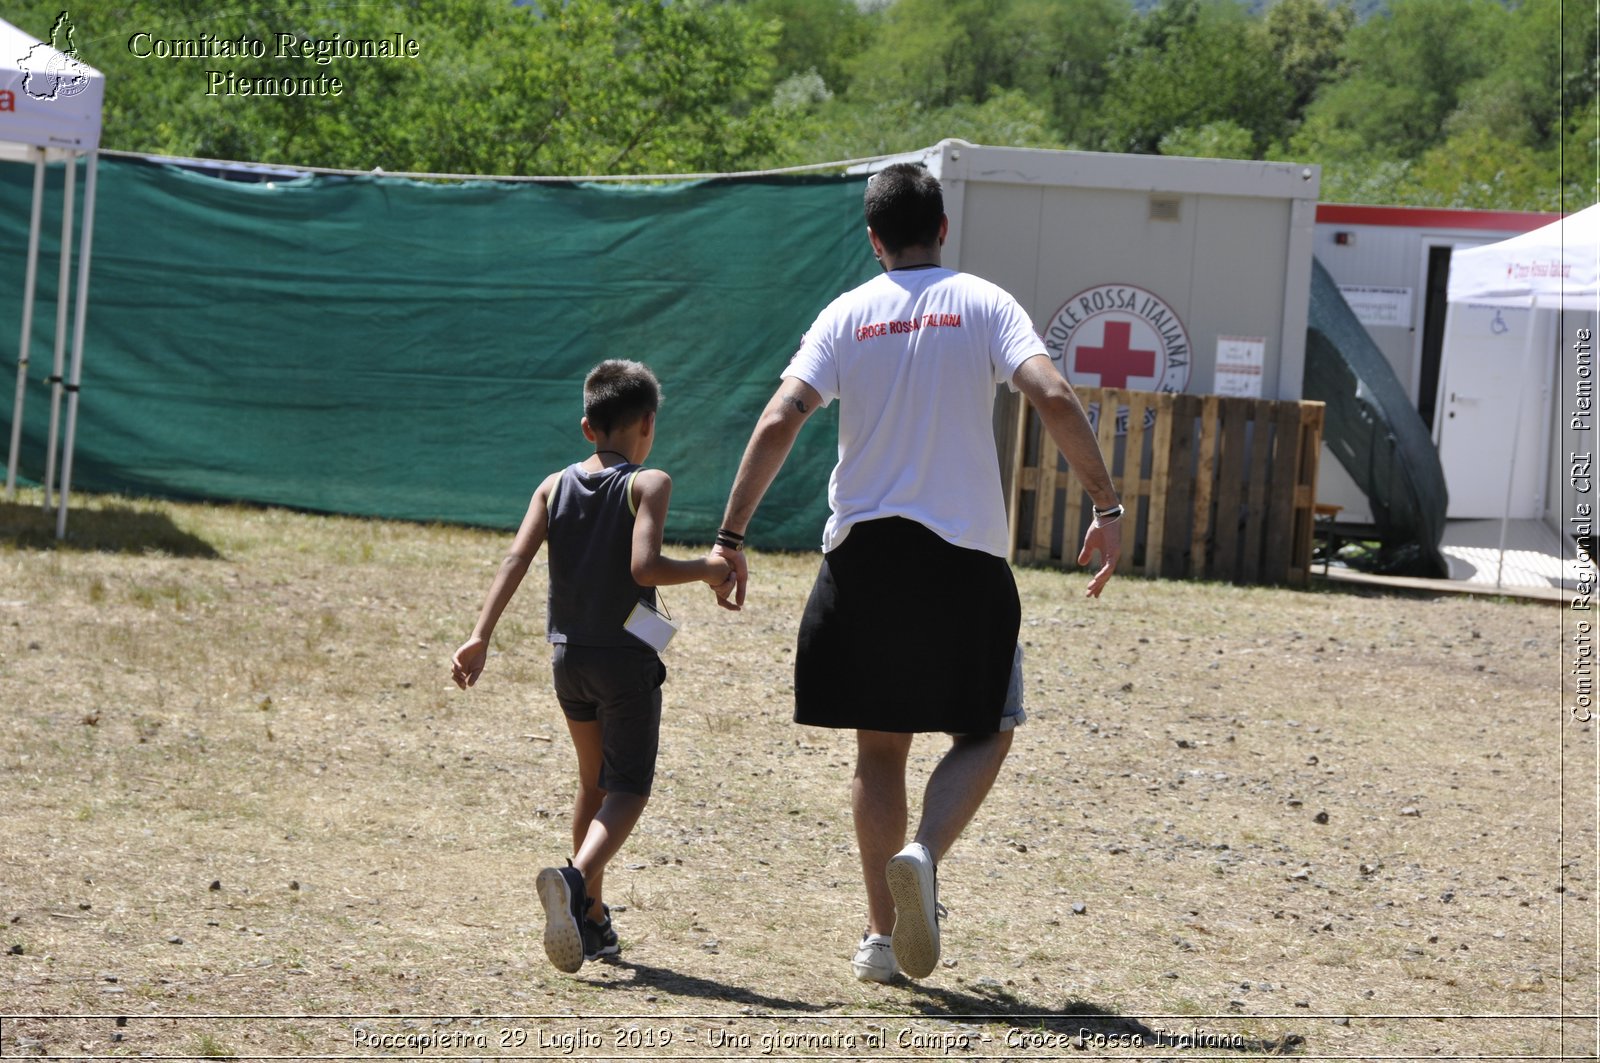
x,y
63,288
79,315
1516,430
27,324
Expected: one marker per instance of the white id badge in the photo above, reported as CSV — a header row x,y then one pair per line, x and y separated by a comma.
x,y
650,627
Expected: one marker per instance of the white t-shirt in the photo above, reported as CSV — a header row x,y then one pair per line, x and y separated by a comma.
x,y
913,356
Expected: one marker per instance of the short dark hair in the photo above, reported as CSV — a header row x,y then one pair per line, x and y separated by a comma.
x,y
904,206
618,392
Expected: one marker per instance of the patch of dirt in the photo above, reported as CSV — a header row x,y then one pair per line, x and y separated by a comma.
x,y
238,782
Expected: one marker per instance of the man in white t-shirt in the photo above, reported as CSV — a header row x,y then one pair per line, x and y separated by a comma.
x,y
912,623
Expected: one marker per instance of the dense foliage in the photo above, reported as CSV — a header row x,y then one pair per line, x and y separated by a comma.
x,y
1473,103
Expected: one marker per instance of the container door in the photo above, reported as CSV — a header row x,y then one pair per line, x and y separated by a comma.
x,y
1488,370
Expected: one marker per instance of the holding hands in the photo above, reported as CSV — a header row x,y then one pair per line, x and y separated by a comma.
x,y
729,550
466,664
730,588
722,579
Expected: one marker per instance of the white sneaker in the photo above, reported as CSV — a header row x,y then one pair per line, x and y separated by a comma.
x,y
874,960
916,910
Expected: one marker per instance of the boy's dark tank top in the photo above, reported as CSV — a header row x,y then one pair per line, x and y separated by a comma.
x,y
591,545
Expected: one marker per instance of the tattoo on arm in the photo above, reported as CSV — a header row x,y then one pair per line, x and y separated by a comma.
x,y
797,402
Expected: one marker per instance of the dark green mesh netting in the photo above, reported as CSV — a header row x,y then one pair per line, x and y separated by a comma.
x,y
395,348
1376,434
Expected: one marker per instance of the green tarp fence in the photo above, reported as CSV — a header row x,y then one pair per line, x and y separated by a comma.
x,y
416,350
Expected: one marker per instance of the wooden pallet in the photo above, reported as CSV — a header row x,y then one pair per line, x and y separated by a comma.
x,y
1215,488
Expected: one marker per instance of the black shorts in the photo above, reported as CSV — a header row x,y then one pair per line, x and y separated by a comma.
x,y
906,632
621,688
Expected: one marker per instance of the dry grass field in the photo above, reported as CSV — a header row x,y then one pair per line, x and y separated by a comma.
x,y
247,815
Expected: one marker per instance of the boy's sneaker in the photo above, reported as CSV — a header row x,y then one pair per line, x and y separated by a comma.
x,y
599,939
916,910
561,893
874,960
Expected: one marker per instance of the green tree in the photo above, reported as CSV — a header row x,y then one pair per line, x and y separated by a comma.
x,y
1541,79
1307,39
556,87
815,36
1463,103
1580,160
941,53
933,53
1355,180
1078,37
1214,140
1406,74
1188,64
1475,169
640,87
850,129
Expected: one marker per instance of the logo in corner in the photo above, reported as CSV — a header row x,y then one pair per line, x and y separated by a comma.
x,y
53,71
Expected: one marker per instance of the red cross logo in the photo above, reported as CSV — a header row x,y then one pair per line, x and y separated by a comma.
x,y
1116,359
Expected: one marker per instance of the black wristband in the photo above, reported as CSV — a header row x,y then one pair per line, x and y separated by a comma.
x,y
1107,516
727,543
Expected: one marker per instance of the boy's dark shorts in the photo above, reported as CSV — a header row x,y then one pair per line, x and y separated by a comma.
x,y
621,689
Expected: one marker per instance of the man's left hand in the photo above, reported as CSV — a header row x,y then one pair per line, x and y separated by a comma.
x,y
1107,540
733,599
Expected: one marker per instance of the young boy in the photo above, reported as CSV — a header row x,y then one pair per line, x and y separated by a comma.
x,y
603,518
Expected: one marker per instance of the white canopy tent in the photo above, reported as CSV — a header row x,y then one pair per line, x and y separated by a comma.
x,y
50,105
1556,267
1552,268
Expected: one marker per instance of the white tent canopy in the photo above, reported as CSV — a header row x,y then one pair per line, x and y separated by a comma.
x,y
1556,267
50,103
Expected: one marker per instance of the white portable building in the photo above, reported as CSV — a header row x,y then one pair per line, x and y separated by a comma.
x,y
1138,269
1392,265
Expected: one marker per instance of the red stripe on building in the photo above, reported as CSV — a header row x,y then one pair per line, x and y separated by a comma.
x,y
1511,221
